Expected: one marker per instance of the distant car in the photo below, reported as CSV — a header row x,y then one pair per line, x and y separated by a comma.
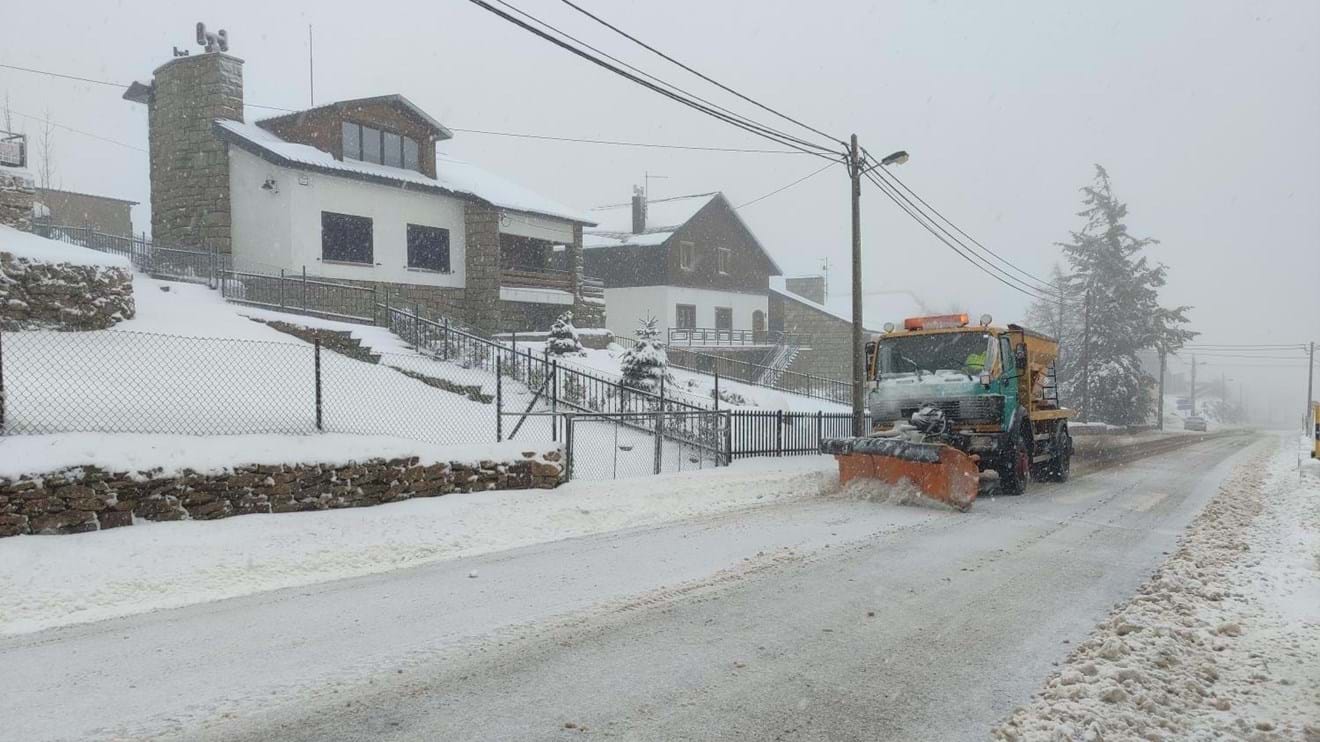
x,y
1194,423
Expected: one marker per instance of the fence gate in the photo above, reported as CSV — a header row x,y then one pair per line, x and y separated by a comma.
x,y
635,444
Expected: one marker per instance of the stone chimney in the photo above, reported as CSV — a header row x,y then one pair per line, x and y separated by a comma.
x,y
638,211
811,288
189,164
17,192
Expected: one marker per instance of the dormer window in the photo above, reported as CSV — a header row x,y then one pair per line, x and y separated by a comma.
x,y
369,144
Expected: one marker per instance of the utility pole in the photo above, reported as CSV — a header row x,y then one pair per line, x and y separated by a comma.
x,y
858,361
1193,386
1159,423
1310,389
1086,357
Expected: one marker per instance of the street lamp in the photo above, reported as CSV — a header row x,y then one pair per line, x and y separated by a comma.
x,y
859,361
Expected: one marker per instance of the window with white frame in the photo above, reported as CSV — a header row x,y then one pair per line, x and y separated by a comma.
x,y
685,316
724,259
685,250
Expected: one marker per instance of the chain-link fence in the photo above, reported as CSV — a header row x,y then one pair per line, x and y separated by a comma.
x,y
130,382
635,444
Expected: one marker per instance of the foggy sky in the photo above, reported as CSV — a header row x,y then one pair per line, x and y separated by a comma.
x,y
1206,114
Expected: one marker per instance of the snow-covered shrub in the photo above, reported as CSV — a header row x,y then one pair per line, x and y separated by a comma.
x,y
563,340
645,364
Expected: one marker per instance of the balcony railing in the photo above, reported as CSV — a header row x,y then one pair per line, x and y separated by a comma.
x,y
537,278
549,278
712,336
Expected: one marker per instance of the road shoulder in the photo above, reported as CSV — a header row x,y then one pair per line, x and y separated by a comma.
x,y
1223,640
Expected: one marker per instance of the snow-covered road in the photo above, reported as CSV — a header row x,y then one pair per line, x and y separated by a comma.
x,y
810,618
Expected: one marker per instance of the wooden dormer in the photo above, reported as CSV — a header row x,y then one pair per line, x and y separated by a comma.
x,y
381,130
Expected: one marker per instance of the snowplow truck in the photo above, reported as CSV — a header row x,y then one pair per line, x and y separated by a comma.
x,y
949,401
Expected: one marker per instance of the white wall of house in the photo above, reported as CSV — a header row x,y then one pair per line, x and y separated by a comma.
x,y
537,227
282,229
625,306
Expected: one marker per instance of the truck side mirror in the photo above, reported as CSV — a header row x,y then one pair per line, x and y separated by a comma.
x,y
870,358
1020,357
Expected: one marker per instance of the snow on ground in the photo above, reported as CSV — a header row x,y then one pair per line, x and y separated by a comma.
x,y
48,581
169,455
31,247
1222,642
701,387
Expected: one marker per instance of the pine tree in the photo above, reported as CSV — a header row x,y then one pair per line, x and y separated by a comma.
x,y
645,363
1114,290
563,340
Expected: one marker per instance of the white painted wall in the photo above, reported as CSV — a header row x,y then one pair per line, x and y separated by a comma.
x,y
625,306
537,227
274,230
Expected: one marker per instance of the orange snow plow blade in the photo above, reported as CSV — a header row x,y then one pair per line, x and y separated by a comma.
x,y
940,472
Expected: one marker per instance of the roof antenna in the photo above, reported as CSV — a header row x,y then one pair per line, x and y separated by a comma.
x,y
311,70
646,179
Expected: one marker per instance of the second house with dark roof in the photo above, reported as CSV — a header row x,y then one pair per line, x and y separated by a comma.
x,y
688,261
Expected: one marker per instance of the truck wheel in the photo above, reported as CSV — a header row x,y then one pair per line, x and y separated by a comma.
x,y
1058,468
1015,467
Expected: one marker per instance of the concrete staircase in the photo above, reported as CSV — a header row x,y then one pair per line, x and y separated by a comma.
x,y
779,359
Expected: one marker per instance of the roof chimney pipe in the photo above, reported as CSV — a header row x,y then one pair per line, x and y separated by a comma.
x,y
638,211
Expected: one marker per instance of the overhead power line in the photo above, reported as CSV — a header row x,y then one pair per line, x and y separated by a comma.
x,y
618,143
922,220
758,130
716,83
784,187
932,226
888,174
76,131
110,83
646,74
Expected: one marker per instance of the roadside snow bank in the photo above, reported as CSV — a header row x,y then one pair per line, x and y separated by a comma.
x,y
55,581
1223,641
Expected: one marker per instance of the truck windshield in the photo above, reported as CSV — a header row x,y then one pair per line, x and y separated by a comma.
x,y
964,352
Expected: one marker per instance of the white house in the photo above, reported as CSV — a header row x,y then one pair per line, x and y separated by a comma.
x,y
354,191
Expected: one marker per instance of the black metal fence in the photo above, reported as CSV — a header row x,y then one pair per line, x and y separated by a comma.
x,y
180,264
782,433
296,292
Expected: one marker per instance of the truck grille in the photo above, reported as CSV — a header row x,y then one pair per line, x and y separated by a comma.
x,y
958,409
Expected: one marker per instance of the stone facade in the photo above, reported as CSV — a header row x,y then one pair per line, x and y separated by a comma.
x,y
16,197
62,296
189,164
482,265
84,499
809,287
830,354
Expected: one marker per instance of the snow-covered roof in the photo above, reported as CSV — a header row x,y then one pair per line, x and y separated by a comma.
x,y
454,176
393,99
32,247
878,307
664,216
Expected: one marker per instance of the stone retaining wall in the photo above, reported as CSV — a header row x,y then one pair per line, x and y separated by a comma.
x,y
81,499
62,296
